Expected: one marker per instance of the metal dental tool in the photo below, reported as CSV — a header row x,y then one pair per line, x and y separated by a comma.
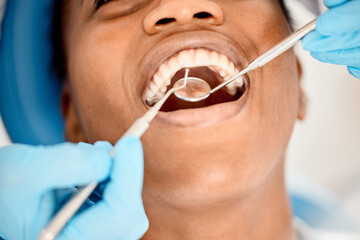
x,y
197,89
138,128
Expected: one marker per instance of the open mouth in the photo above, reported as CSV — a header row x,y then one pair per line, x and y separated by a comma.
x,y
209,65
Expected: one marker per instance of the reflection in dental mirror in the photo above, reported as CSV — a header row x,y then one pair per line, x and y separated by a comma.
x,y
196,89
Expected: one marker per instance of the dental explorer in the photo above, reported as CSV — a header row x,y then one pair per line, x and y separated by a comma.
x,y
138,128
197,89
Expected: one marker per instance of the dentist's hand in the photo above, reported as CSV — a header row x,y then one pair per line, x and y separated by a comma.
x,y
120,214
29,177
337,36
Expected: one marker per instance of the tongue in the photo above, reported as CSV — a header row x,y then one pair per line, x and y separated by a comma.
x,y
212,78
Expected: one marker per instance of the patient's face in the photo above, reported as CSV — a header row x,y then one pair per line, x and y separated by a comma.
x,y
122,56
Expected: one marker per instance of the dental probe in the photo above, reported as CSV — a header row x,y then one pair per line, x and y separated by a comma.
x,y
260,61
138,128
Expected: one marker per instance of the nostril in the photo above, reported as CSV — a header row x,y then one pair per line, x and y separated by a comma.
x,y
203,15
165,21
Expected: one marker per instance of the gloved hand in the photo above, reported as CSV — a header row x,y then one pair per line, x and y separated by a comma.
x,y
337,36
29,176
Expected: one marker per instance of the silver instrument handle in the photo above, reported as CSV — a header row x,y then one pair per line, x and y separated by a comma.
x,y
284,45
61,219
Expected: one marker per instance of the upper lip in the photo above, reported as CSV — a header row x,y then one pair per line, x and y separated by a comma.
x,y
187,40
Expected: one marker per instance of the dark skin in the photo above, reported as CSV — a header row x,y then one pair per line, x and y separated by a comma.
x,y
223,180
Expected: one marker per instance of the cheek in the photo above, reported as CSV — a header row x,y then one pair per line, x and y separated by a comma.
x,y
275,90
277,102
101,86
271,120
276,95
261,21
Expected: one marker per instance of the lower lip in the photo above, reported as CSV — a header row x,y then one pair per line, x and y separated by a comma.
x,y
200,117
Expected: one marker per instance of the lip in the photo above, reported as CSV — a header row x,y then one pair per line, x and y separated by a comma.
x,y
165,49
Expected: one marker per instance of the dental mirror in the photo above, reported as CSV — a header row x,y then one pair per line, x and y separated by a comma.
x,y
195,90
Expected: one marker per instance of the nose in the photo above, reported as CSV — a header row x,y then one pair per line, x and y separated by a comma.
x,y
182,12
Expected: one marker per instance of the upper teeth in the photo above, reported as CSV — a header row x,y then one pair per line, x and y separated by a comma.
x,y
189,59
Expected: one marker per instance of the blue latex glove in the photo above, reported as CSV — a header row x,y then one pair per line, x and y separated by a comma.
x,y
337,36
29,176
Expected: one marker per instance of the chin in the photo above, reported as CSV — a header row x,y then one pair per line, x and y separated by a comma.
x,y
190,170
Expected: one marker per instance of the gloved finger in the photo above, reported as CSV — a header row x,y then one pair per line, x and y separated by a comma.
x,y
334,3
339,20
342,57
355,71
104,144
42,213
122,207
127,173
319,43
103,222
58,166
